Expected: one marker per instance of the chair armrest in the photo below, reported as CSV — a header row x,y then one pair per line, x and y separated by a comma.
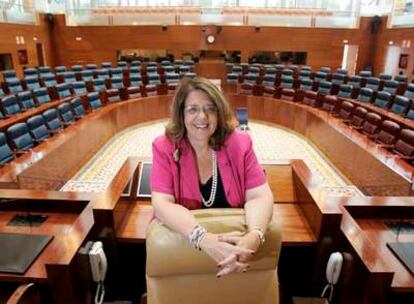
x,y
18,293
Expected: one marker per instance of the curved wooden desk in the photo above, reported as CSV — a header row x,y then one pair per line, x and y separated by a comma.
x,y
374,170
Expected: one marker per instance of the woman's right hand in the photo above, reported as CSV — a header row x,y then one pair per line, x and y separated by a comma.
x,y
225,254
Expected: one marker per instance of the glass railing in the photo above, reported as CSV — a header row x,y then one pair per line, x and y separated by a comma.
x,y
19,14
402,17
173,16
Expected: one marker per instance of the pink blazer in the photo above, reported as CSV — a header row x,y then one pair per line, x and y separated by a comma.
x,y
237,162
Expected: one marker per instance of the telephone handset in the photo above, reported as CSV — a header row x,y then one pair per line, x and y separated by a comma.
x,y
333,271
98,261
99,266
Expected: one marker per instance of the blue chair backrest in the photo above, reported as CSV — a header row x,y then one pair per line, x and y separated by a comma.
x,y
254,70
270,70
134,71
365,74
103,74
63,90
2,92
30,72
69,77
91,66
154,79
65,112
151,64
400,104
38,128
136,81
44,70
365,95
19,136
342,71
94,100
287,72
117,83
237,69
391,86
373,83
79,88
250,78
6,154
122,64
269,79
304,74
32,82
10,105
383,99
77,107
241,115
99,85
116,72
385,77
86,75
409,92
14,85
325,87
319,76
326,70
338,78
306,84
26,100
286,82
77,68
106,65
60,69
355,81
52,120
345,90
135,63
172,77
42,96
9,75
401,78
49,80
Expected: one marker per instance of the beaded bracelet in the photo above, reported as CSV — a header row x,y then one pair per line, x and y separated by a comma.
x,y
196,235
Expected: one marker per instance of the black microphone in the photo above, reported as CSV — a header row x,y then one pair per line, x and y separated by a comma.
x,y
176,157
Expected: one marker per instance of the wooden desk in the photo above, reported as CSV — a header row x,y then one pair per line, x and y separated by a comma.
x,y
70,221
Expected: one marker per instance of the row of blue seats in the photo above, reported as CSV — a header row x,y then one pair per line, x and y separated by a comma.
x,y
16,85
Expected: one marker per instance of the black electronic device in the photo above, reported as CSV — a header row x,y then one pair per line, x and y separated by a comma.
x,y
144,189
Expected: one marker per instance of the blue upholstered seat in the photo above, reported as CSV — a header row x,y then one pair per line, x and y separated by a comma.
x,y
136,80
319,76
65,112
250,78
338,78
117,83
42,95
400,105
99,85
286,82
232,78
116,72
382,100
385,77
365,95
355,81
79,88
69,77
409,92
373,83
30,72
345,90
49,80
52,120
6,154
14,85
134,71
19,136
304,74
44,70
102,74
154,79
325,87
94,100
91,66
32,82
172,77
37,127
106,65
269,79
86,75
77,107
60,69
306,84
77,68
63,90
26,100
10,105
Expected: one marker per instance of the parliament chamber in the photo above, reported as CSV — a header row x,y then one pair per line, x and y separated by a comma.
x,y
70,90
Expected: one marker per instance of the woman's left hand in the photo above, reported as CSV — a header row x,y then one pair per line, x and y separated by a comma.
x,y
249,240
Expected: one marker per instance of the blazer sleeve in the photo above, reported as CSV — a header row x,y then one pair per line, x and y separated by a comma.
x,y
254,175
162,179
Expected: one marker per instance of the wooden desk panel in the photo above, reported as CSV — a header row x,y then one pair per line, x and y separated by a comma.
x,y
295,229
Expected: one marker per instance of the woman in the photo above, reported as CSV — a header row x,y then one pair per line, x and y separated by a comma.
x,y
201,162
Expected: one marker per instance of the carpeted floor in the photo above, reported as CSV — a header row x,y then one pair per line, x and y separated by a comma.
x,y
271,143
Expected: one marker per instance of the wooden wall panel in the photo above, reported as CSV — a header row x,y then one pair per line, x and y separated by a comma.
x,y
100,43
397,36
8,33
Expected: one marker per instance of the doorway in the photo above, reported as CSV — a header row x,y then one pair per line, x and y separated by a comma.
x,y
39,52
350,57
392,59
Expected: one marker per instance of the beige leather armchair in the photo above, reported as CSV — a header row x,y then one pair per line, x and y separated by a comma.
x,y
179,274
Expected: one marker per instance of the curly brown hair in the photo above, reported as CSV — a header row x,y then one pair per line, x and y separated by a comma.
x,y
175,128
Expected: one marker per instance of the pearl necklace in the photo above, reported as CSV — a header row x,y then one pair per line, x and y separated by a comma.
x,y
210,201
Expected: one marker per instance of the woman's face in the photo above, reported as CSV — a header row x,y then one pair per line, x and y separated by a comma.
x,y
200,116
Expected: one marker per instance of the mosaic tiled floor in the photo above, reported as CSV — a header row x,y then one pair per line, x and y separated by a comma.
x,y
271,143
